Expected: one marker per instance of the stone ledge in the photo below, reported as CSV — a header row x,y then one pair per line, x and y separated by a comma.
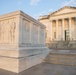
x,y
20,64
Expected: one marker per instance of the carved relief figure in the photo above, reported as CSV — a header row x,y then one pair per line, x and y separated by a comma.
x,y
12,31
7,31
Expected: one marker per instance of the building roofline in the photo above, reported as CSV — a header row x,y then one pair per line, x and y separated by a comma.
x,y
63,8
44,16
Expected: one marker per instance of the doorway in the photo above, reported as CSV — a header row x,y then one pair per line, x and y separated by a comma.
x,y
66,35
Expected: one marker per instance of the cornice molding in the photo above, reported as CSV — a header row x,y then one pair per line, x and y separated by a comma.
x,y
63,14
20,13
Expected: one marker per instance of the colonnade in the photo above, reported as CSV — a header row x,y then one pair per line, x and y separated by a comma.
x,y
69,23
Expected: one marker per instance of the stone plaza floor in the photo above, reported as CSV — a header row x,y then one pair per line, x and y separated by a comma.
x,y
45,69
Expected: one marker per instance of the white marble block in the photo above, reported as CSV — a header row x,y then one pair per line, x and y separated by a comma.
x,y
22,42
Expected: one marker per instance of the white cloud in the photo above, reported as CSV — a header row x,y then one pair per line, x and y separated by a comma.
x,y
36,16
34,2
46,12
69,3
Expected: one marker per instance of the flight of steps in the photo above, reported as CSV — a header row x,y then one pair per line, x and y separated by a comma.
x,y
62,52
64,57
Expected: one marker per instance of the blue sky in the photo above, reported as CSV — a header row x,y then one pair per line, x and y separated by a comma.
x,y
34,8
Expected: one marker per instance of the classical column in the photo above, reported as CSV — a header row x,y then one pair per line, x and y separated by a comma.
x,y
51,31
75,29
63,29
57,30
38,35
70,28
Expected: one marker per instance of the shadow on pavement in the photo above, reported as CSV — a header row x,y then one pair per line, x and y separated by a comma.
x,y
45,69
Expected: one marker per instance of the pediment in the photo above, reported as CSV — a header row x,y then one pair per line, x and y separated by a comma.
x,y
64,10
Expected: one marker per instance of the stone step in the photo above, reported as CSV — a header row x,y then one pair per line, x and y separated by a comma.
x,y
61,58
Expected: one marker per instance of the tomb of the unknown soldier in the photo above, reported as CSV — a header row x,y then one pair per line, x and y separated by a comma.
x,y
43,47
22,42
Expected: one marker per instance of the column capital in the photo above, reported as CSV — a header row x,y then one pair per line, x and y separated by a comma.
x,y
57,19
69,18
63,19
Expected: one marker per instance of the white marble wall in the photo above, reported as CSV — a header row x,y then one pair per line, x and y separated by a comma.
x,y
32,33
21,42
26,32
42,36
8,31
35,33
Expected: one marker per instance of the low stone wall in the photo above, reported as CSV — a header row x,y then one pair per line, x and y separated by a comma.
x,y
62,45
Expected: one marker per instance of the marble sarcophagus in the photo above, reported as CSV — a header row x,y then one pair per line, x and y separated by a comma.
x,y
22,42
